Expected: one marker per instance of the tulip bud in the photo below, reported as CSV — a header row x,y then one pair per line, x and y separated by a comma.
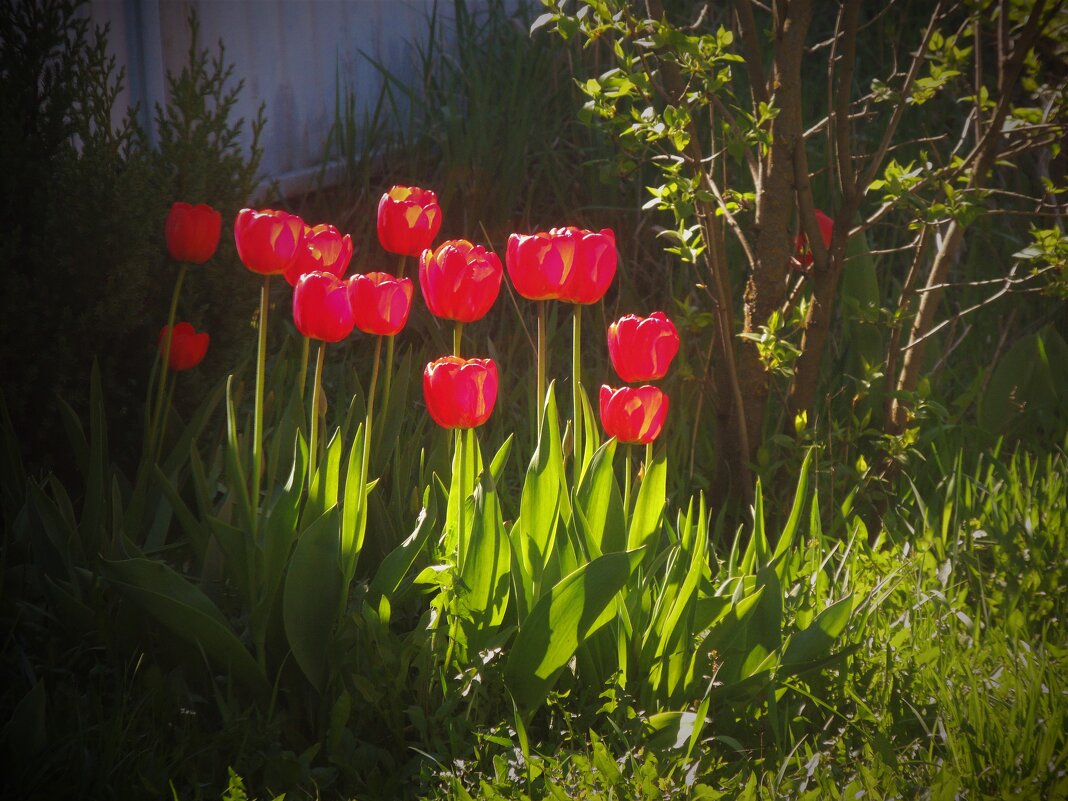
x,y
802,253
380,303
321,307
325,251
633,414
268,241
187,346
192,232
460,393
408,220
642,348
460,281
595,266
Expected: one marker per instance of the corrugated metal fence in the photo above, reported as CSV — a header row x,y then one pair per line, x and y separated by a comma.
x,y
290,53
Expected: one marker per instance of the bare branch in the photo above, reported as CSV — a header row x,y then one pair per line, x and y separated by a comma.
x,y
750,37
899,109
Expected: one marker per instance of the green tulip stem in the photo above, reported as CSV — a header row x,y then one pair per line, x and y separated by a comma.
x,y
387,387
317,391
261,368
365,462
648,457
304,353
543,358
457,338
155,436
576,391
626,482
163,421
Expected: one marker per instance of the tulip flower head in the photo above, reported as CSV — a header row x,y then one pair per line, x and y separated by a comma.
x,y
633,414
460,281
325,250
187,346
192,232
594,268
268,241
641,348
802,253
460,393
321,307
408,220
540,264
380,303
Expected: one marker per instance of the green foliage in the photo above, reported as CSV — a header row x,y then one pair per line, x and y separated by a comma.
x,y
84,203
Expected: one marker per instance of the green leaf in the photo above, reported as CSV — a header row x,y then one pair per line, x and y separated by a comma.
x,y
649,508
815,642
534,532
324,487
399,561
280,532
756,553
312,597
561,620
186,611
599,499
483,591
793,522
234,464
354,511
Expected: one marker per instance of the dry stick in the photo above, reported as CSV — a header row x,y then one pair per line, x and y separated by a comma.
x,y
892,348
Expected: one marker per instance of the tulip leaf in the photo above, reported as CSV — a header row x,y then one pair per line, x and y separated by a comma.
x,y
500,459
561,620
186,611
466,466
323,490
280,531
193,527
354,510
179,454
235,545
534,533
601,504
313,594
482,593
649,508
399,561
90,527
234,463
591,435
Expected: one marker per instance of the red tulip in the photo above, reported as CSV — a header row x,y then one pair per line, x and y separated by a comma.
x,y
802,254
460,281
380,303
192,232
595,266
540,264
460,393
641,348
268,241
325,251
321,307
408,220
187,346
633,414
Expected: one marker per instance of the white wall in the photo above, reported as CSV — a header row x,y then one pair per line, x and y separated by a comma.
x,y
289,53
